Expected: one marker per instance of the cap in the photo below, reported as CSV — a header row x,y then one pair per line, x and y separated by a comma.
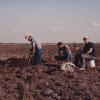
x,y
85,37
59,43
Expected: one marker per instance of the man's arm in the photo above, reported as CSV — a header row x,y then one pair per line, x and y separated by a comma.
x,y
69,50
32,53
90,50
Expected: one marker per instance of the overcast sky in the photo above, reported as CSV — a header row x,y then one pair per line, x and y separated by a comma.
x,y
49,20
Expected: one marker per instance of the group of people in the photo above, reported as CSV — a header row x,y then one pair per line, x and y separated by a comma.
x,y
64,52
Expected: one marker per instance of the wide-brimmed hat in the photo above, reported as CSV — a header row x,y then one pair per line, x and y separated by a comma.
x,y
27,36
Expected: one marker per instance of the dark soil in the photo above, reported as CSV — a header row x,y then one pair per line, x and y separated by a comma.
x,y
21,81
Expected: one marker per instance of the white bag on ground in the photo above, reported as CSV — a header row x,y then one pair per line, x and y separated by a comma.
x,y
68,66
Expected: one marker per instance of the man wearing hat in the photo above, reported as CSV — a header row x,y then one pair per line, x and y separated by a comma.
x,y
88,53
36,50
89,48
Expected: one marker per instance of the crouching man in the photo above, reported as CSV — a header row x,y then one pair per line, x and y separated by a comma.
x,y
87,55
64,52
89,51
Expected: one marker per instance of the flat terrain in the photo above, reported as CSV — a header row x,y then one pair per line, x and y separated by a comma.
x,y
18,81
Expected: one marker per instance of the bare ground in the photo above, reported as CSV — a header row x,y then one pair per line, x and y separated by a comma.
x,y
19,81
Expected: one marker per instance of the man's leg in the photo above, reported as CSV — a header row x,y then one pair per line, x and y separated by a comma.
x,y
81,62
39,56
36,58
77,60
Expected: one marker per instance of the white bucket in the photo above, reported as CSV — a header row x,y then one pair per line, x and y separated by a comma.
x,y
91,63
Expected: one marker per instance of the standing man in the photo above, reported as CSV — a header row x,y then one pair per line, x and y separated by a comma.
x,y
36,50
